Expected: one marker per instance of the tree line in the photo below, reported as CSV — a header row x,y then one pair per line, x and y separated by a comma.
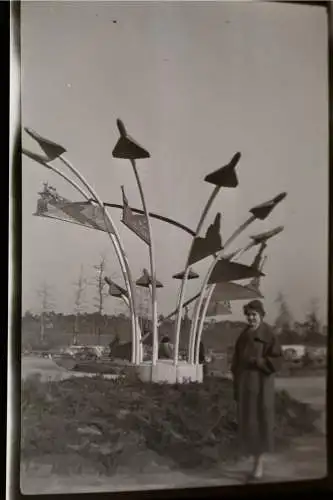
x,y
48,323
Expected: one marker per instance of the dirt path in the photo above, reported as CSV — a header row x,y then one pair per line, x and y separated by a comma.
x,y
306,460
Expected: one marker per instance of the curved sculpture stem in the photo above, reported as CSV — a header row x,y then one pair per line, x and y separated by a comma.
x,y
234,255
237,254
187,268
154,216
152,265
122,261
189,301
198,304
115,239
66,178
139,333
202,321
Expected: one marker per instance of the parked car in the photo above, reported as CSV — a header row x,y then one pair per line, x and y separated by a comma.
x,y
293,352
84,352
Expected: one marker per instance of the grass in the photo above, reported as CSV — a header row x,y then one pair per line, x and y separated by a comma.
x,y
93,424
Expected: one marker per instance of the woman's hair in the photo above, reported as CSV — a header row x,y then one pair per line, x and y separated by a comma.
x,y
165,339
254,305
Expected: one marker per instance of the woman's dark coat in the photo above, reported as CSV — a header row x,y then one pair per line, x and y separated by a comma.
x,y
256,359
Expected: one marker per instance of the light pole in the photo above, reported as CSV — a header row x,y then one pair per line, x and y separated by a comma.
x,y
54,151
260,212
127,148
223,177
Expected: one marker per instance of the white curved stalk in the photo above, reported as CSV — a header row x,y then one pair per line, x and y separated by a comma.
x,y
76,186
187,269
65,177
199,302
237,255
202,321
122,258
139,353
189,301
152,265
70,181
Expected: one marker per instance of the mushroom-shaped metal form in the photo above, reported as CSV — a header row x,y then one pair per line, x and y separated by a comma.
x,y
146,281
210,244
225,176
50,148
36,157
126,147
233,291
226,270
192,275
262,211
262,237
114,289
219,309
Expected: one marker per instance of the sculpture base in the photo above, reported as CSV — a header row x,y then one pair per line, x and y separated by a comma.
x,y
166,372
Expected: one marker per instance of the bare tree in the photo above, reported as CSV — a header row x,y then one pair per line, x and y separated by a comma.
x,y
312,323
284,320
80,285
100,284
46,303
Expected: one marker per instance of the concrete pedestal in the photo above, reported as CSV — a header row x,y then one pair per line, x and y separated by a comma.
x,y
166,372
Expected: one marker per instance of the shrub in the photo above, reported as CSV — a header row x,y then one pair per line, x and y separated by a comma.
x,y
188,424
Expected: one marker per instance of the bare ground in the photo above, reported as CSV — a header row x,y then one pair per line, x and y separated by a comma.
x,y
306,459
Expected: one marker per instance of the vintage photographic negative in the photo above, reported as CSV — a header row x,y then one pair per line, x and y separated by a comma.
x,y
175,244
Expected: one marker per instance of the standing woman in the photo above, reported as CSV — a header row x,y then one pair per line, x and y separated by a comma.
x,y
257,357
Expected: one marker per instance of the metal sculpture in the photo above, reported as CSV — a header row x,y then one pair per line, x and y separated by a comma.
x,y
192,275
219,286
219,308
155,216
259,239
146,281
54,151
233,291
223,177
128,148
117,291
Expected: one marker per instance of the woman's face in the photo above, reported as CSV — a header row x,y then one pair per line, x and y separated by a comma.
x,y
253,318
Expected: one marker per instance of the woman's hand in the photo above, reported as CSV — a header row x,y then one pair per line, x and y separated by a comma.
x,y
256,362
253,362
260,364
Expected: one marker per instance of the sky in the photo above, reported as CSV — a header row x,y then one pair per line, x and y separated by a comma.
x,y
194,83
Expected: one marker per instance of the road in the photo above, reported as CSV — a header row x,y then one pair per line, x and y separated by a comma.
x,y
308,389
